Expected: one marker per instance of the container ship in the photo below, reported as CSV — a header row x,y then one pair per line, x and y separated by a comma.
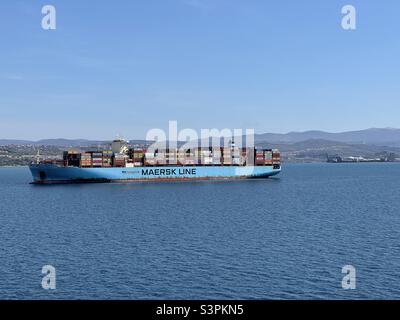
x,y
123,164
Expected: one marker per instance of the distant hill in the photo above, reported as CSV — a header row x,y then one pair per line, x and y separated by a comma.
x,y
52,142
376,136
59,142
6,142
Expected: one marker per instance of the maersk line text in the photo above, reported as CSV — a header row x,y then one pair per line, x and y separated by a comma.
x,y
168,172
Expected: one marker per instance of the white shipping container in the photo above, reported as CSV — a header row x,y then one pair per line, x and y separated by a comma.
x,y
236,160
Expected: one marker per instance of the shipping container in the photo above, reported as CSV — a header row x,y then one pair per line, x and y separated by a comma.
x,y
206,160
150,162
172,161
236,161
119,165
189,162
268,155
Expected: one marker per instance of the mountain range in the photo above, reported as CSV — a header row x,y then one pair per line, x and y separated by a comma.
x,y
373,136
58,142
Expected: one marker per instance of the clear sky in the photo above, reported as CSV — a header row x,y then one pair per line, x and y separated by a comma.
x,y
128,66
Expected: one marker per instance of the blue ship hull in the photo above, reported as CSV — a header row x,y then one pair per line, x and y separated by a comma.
x,y
49,173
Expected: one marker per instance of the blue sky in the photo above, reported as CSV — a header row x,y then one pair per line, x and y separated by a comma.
x,y
128,66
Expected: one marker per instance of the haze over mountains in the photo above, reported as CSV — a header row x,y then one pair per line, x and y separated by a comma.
x,y
374,136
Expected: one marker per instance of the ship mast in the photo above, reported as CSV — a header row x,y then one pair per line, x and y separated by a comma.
x,y
38,157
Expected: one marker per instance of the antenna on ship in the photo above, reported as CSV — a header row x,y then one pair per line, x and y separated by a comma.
x,y
232,142
38,156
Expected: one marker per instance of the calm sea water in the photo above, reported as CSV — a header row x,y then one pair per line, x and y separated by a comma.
x,y
280,238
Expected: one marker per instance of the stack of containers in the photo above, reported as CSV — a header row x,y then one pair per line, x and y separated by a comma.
x,y
86,160
97,159
138,157
186,157
119,160
190,158
171,156
206,157
182,156
236,157
217,156
149,159
72,158
65,155
276,157
244,156
161,157
268,157
129,163
107,158
227,156
197,156
259,157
